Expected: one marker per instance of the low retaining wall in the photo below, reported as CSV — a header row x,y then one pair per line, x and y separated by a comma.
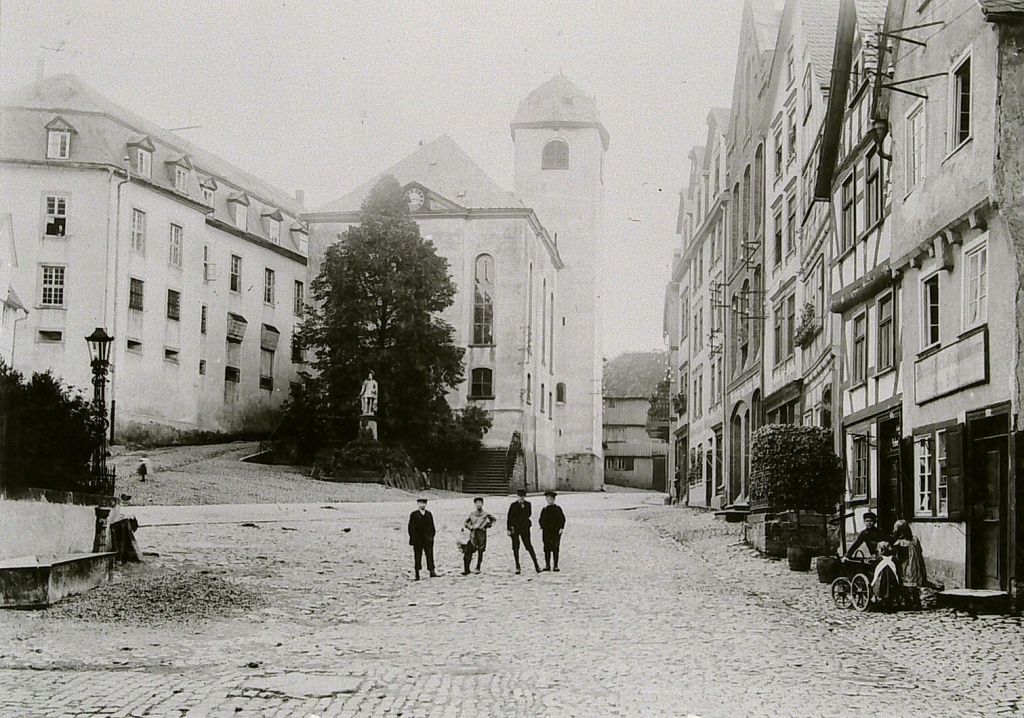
x,y
35,584
34,522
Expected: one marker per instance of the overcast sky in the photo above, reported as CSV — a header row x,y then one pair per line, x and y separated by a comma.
x,y
323,95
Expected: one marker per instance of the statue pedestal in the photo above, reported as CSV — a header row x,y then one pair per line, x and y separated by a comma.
x,y
369,422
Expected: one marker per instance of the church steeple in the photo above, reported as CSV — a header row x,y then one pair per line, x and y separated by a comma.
x,y
559,103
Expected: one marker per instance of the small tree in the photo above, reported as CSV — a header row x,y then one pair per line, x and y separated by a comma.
x,y
379,298
795,467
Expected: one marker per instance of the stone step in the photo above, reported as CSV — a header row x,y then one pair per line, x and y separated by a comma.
x,y
38,582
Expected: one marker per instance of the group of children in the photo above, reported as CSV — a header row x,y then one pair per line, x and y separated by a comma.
x,y
473,537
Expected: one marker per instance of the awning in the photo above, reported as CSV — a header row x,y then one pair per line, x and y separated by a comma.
x,y
269,337
236,327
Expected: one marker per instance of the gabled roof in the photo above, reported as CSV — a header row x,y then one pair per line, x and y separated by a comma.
x,y
69,95
720,117
444,168
60,124
764,18
634,374
144,141
273,213
240,197
819,19
180,161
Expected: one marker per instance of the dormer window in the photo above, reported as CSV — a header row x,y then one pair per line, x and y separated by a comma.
x,y
272,223
141,153
239,203
208,185
58,139
143,162
58,145
180,169
300,235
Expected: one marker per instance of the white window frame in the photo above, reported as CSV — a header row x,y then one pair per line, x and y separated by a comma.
x,y
235,273
208,196
977,247
269,286
58,200
55,286
181,179
138,230
241,217
889,329
954,103
61,149
175,242
916,144
858,367
924,474
925,321
144,162
941,450
298,297
274,231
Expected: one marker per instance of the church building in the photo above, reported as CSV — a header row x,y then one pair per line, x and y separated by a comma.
x,y
525,267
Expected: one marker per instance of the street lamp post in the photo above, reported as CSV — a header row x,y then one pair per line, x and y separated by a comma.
x,y
99,350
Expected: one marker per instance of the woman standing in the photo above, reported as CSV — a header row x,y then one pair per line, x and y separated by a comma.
x,y
477,524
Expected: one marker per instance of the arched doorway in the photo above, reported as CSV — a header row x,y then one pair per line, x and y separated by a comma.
x,y
737,454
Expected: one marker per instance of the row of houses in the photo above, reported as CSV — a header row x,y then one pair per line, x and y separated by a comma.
x,y
840,235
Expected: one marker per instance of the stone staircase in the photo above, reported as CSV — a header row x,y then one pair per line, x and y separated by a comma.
x,y
488,476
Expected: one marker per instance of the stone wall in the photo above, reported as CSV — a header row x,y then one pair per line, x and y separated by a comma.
x,y
772,534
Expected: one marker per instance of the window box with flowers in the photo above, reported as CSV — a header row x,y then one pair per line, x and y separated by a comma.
x,y
808,327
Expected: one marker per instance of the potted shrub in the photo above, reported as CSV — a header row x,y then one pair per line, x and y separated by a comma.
x,y
795,468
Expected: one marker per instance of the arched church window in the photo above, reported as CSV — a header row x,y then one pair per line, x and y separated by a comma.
x,y
483,300
555,156
481,384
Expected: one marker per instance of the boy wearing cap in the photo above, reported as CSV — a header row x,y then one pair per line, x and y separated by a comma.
x,y
421,537
869,537
477,524
518,527
552,522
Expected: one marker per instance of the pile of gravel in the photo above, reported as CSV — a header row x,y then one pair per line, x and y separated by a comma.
x,y
177,596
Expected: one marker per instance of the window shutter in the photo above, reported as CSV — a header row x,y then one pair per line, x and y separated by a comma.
x,y
908,478
954,472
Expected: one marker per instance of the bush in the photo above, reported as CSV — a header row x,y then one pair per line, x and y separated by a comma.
x,y
795,467
454,443
366,454
33,414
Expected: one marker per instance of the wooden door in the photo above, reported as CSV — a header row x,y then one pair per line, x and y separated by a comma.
x,y
989,466
658,480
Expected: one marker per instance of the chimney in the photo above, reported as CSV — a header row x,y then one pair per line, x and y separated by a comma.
x,y
300,197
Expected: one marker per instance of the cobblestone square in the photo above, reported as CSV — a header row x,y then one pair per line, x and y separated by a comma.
x,y
658,611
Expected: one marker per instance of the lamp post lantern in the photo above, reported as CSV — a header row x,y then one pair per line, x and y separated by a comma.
x,y
99,351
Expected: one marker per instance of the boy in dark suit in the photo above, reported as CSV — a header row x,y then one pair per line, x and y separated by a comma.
x,y
421,537
552,522
518,527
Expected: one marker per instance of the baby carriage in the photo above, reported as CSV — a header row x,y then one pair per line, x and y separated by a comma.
x,y
868,583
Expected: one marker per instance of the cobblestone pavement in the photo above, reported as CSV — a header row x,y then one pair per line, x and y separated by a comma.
x,y
658,612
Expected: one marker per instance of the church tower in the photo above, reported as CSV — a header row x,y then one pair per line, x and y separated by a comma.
x,y
560,145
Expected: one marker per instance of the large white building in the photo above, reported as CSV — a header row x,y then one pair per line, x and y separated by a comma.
x,y
197,268
531,257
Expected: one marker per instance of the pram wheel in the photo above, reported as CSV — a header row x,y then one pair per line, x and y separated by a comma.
x,y
860,592
842,592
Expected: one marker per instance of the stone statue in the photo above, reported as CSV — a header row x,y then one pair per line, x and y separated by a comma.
x,y
368,396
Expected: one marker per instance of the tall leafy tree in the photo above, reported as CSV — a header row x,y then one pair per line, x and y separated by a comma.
x,y
379,298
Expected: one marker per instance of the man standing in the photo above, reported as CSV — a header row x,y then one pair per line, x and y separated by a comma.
x,y
518,527
421,537
552,522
